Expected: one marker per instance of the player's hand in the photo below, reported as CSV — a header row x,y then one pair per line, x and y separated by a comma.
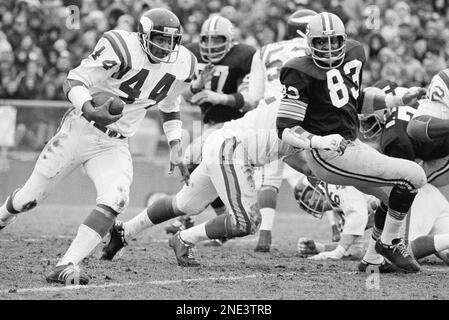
x,y
208,96
176,160
204,77
333,142
325,255
336,254
306,247
412,96
100,114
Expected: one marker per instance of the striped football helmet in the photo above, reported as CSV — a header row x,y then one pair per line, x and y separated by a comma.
x,y
297,23
163,22
326,37
311,196
216,38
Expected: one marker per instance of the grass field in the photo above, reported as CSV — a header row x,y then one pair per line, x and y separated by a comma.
x,y
148,269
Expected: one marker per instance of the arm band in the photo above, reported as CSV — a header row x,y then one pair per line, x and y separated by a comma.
x,y
239,100
78,96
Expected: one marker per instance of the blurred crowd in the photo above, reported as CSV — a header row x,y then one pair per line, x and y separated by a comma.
x,y
40,41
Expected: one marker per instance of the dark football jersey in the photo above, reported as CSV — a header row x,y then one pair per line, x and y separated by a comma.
x,y
331,95
229,73
395,142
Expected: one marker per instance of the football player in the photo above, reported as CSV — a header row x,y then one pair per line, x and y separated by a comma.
x,y
143,68
388,133
222,65
229,158
319,113
263,83
352,206
427,228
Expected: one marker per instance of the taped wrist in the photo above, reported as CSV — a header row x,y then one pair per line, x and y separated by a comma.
x,y
172,130
393,101
298,140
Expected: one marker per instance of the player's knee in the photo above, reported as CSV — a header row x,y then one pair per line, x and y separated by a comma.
x,y
401,198
22,201
118,201
420,178
267,197
187,205
234,229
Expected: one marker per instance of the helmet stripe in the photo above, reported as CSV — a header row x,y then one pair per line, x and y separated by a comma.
x,y
213,23
323,22
331,25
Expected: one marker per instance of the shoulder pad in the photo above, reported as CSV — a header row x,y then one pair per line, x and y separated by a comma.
x,y
355,50
306,66
244,49
117,40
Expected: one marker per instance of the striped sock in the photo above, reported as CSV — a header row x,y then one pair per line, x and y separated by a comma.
x,y
392,228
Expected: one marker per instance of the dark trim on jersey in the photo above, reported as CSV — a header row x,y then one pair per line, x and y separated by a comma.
x,y
123,67
192,67
329,167
168,116
239,100
125,47
443,75
231,196
439,172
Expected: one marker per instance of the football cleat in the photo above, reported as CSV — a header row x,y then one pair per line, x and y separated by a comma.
x,y
179,224
184,251
398,255
264,243
384,267
306,247
7,221
116,242
67,274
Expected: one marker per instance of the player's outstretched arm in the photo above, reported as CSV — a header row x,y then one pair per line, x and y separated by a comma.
x,y
427,128
375,99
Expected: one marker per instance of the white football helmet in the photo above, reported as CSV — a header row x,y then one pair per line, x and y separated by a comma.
x,y
216,26
326,26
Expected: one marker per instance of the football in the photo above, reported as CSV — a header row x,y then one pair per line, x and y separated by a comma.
x,y
116,106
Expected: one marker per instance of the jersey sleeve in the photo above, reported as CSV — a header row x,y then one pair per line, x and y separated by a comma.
x,y
256,79
295,100
107,60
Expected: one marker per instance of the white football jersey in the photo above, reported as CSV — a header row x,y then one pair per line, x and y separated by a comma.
x,y
119,65
266,66
436,103
258,133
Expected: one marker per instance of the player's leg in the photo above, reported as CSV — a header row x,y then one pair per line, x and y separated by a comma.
x,y
110,169
271,180
365,168
55,162
234,182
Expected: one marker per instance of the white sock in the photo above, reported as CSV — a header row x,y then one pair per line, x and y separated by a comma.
x,y
137,224
391,230
267,218
441,242
371,256
85,241
195,234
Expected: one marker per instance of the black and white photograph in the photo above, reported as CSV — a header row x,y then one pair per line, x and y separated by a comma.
x,y
224,156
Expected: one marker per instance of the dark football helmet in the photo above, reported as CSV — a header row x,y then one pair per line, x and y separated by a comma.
x,y
297,23
163,22
371,125
326,27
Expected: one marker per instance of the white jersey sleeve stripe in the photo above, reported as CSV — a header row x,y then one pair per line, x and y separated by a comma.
x,y
291,115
